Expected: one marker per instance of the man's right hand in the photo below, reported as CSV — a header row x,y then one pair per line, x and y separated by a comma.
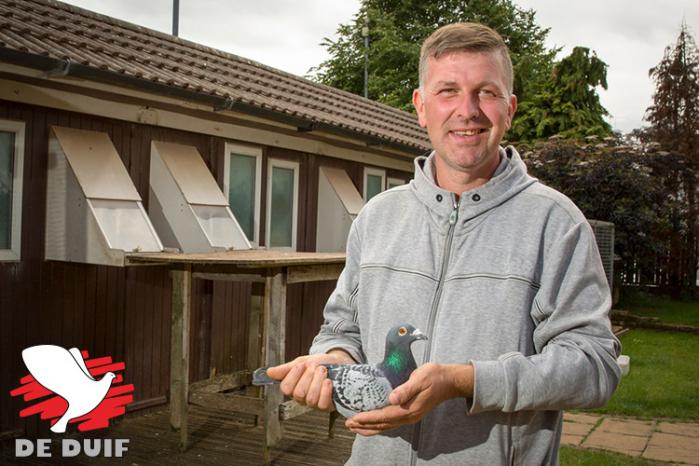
x,y
305,378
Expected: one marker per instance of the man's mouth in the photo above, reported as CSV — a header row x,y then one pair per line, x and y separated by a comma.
x,y
469,132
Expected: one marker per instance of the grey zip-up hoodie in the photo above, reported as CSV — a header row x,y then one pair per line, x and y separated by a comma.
x,y
510,280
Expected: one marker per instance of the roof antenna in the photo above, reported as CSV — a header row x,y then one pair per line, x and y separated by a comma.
x,y
175,17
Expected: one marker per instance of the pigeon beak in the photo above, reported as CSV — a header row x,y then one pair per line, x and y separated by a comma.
x,y
418,335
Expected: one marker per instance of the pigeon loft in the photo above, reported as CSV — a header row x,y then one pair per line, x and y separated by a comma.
x,y
187,207
339,202
94,213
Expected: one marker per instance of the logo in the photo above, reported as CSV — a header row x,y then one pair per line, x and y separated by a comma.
x,y
66,388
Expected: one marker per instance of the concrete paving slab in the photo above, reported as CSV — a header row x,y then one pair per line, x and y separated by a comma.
x,y
575,428
671,455
571,440
627,426
660,439
582,418
679,428
632,445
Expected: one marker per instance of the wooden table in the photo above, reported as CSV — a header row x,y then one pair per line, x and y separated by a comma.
x,y
270,271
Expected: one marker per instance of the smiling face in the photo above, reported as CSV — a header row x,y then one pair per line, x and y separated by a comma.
x,y
466,106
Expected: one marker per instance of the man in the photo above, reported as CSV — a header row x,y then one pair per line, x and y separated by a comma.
x,y
500,271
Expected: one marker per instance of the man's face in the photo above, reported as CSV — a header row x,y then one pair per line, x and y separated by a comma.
x,y
466,107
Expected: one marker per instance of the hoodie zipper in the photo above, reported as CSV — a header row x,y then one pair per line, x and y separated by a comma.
x,y
453,217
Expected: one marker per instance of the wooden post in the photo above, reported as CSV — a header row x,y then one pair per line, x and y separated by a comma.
x,y
257,296
179,351
273,342
254,359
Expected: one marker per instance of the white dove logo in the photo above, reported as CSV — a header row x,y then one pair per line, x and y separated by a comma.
x,y
64,373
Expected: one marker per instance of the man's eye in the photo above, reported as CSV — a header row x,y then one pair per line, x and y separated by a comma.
x,y
447,91
487,93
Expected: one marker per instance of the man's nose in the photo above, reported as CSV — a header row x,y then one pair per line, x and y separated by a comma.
x,y
468,106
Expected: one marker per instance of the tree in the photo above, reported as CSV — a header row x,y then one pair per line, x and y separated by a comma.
x,y
674,119
623,184
569,105
397,30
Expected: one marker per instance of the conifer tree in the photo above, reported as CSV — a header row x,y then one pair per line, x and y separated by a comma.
x,y
674,119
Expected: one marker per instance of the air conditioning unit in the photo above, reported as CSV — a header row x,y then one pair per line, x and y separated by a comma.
x,y
604,236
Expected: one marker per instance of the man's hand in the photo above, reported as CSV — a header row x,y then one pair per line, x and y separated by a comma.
x,y
305,379
427,386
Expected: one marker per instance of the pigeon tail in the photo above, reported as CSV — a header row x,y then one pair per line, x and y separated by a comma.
x,y
60,426
260,377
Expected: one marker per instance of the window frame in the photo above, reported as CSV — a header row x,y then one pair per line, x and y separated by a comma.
x,y
370,171
395,181
256,152
295,166
14,253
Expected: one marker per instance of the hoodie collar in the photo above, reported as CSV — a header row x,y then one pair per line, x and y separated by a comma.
x,y
509,179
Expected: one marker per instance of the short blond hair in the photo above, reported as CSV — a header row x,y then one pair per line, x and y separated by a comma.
x,y
465,37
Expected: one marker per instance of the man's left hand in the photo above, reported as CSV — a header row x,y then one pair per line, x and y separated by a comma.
x,y
428,385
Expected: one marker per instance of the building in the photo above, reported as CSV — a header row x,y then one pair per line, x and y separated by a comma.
x,y
270,140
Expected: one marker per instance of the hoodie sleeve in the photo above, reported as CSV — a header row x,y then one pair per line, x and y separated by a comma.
x,y
575,361
340,328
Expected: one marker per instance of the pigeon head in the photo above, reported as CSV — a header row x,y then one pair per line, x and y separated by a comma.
x,y
398,362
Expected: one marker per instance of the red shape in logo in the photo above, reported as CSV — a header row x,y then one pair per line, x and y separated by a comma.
x,y
52,406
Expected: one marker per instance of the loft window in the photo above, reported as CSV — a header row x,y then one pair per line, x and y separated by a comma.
x,y
242,185
374,182
282,203
11,163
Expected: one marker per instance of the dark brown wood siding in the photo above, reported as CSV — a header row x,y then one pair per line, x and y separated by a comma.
x,y
125,312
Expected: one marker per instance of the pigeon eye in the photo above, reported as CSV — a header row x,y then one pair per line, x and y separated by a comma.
x,y
402,331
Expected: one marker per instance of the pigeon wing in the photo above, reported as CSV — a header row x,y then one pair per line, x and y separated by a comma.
x,y
53,367
358,387
78,356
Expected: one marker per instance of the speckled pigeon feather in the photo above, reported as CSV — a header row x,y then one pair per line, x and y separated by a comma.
x,y
363,387
358,387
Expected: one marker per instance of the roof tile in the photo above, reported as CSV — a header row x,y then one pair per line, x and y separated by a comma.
x,y
60,31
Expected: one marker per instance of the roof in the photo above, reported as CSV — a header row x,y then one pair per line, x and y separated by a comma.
x,y
52,35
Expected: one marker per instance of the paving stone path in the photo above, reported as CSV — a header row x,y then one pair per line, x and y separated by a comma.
x,y
660,440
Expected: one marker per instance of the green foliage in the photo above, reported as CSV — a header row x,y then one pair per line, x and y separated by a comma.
x,y
397,29
569,105
617,183
662,379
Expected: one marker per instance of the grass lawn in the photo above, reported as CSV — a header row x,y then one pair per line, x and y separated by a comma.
x,y
571,456
685,311
664,376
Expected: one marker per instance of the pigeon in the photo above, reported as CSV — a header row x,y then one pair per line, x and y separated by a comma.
x,y
64,373
363,387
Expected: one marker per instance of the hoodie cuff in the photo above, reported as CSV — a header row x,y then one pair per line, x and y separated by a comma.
x,y
489,387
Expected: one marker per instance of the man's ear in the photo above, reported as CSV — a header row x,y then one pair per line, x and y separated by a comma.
x,y
419,104
511,109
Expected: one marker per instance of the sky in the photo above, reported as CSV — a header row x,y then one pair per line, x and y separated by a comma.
x,y
629,35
